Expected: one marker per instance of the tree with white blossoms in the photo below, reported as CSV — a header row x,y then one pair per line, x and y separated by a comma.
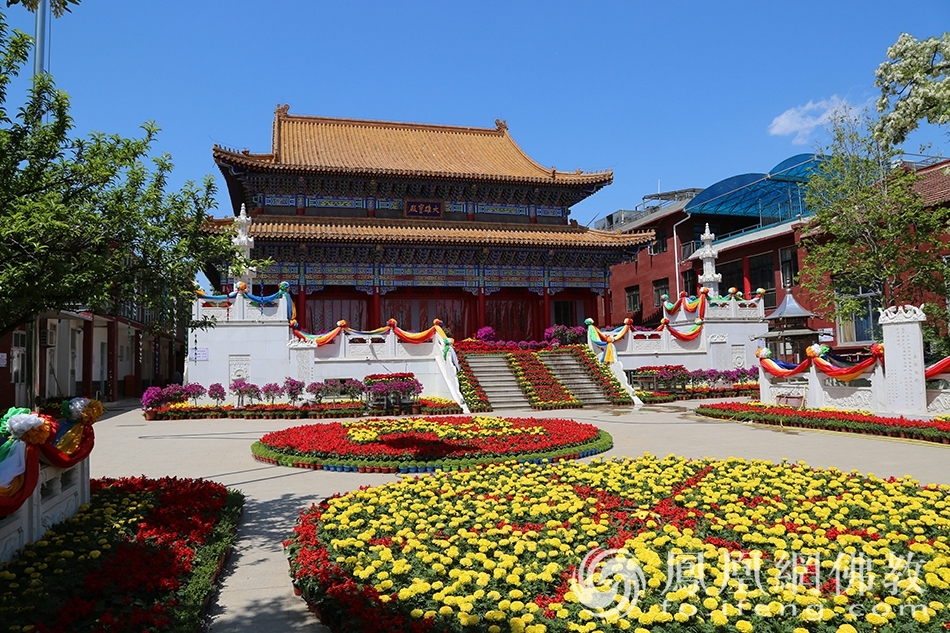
x,y
915,86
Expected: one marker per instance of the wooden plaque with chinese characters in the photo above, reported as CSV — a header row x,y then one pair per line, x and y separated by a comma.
x,y
423,209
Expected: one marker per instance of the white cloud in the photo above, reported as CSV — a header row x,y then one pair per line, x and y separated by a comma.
x,y
802,120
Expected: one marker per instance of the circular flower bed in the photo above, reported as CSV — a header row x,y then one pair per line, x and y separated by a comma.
x,y
424,444
647,544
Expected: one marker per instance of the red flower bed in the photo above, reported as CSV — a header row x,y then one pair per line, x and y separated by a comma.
x,y
475,397
424,442
539,384
142,556
852,422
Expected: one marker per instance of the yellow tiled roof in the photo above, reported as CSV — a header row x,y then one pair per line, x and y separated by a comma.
x,y
377,231
308,143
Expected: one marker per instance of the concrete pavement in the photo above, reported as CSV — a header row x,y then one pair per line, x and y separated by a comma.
x,y
256,595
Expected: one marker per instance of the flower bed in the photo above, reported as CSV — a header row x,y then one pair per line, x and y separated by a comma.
x,y
475,398
538,382
143,555
598,372
711,546
846,421
424,444
438,406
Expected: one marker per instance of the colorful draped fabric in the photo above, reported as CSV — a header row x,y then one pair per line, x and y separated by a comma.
x,y
401,334
20,489
600,336
320,339
688,335
782,369
844,374
689,304
940,367
54,456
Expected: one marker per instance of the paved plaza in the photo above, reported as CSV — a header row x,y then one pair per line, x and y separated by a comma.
x,y
256,595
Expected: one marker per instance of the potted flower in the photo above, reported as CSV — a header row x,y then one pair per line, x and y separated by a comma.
x,y
152,399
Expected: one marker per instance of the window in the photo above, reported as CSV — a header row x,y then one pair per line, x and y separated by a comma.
x,y
762,275
633,299
788,259
659,243
564,313
689,281
863,326
660,287
731,276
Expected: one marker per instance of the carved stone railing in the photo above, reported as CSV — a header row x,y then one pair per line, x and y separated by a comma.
x,y
59,493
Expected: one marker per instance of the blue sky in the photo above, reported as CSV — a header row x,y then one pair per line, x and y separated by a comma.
x,y
667,94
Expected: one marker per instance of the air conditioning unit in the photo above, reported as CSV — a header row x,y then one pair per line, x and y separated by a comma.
x,y
44,338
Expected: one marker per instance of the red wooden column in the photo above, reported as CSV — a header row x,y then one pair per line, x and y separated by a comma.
x,y
546,309
607,315
302,307
481,309
746,281
112,362
88,337
376,310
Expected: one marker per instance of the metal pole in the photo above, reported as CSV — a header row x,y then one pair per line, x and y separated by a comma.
x,y
39,55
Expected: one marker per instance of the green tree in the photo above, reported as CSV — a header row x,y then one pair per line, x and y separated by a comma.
x,y
87,222
59,7
915,86
870,230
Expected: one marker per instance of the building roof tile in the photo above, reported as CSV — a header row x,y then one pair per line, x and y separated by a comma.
x,y
934,184
352,146
377,231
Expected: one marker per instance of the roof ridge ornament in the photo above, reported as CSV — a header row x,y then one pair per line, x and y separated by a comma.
x,y
282,109
501,125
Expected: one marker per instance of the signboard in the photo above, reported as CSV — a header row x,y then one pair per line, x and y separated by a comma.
x,y
826,335
199,353
423,209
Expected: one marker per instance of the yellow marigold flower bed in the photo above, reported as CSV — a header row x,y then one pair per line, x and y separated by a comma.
x,y
646,545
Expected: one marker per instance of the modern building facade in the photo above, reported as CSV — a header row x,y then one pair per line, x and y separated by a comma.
x,y
757,219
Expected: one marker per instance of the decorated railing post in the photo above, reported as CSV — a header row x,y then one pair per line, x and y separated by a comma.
x,y
904,359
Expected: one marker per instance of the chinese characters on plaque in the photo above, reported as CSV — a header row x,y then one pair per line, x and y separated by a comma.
x,y
423,209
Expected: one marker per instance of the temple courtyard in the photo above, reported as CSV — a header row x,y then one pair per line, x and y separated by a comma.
x,y
255,590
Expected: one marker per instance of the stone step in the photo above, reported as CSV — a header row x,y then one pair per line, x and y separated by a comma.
x,y
575,378
495,378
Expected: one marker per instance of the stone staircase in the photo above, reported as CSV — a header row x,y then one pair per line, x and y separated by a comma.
x,y
573,376
495,377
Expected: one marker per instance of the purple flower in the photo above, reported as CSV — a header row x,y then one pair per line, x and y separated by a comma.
x,y
486,334
271,391
194,390
153,398
216,392
294,389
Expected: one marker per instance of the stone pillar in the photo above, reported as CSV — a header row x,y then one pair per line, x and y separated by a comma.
x,y
245,243
710,278
904,359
